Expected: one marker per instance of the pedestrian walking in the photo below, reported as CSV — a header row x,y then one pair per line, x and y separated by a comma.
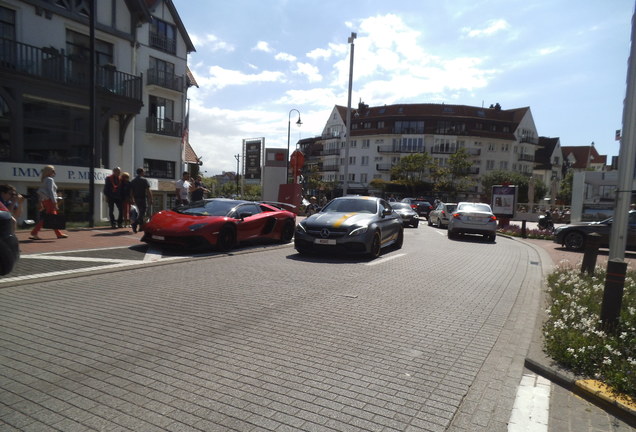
x,y
141,197
182,189
47,194
113,196
124,190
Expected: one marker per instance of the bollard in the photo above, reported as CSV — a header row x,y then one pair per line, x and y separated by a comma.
x,y
613,294
524,233
590,255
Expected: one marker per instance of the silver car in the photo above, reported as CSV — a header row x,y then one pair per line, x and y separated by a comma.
x,y
406,212
473,218
441,215
351,224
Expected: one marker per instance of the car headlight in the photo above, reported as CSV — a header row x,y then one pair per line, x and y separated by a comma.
x,y
301,228
197,227
359,231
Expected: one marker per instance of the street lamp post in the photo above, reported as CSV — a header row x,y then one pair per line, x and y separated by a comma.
x,y
288,137
237,157
345,183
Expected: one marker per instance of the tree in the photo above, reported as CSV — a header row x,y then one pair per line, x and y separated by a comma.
x,y
455,177
412,170
565,191
516,179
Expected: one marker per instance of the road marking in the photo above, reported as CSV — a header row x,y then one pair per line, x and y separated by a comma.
x,y
73,258
385,259
152,255
532,405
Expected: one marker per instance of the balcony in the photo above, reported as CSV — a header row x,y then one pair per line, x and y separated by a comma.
x,y
331,167
165,127
53,65
526,157
399,149
383,167
163,43
474,151
529,140
165,80
330,152
443,151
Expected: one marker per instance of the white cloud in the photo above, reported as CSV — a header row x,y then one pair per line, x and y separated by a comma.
x,y
493,26
285,57
218,78
319,53
310,71
263,46
549,50
211,43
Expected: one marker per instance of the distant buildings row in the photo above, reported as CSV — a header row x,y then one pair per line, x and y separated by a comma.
x,y
495,139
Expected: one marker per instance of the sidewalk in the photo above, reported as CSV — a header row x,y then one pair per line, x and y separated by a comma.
x,y
79,238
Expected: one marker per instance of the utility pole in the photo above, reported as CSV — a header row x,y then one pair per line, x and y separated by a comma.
x,y
345,183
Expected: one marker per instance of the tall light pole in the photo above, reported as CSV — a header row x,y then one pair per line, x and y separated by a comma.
x,y
288,134
237,157
345,183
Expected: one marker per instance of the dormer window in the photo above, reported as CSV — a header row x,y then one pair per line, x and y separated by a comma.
x,y
163,36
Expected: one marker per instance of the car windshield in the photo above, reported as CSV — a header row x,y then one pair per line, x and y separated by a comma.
x,y
351,206
400,206
210,208
475,207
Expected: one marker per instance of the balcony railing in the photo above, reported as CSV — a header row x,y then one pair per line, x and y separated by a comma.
x,y
530,140
526,157
163,127
53,65
383,167
163,43
443,151
331,151
331,167
474,151
165,80
399,149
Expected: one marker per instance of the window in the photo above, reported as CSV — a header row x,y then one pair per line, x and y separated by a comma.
x,y
503,165
163,36
162,73
352,160
409,127
366,125
505,147
490,164
364,161
380,125
365,143
492,147
7,23
161,113
78,49
353,143
159,168
364,178
352,177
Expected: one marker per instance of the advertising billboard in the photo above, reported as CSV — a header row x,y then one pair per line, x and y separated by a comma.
x,y
504,200
252,156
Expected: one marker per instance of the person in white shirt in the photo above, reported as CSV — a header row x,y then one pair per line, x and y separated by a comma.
x,y
182,188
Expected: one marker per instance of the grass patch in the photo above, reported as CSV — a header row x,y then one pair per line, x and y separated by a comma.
x,y
574,336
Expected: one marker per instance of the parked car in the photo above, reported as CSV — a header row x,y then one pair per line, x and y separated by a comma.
x,y
473,218
9,247
423,208
441,215
575,236
408,215
221,223
351,224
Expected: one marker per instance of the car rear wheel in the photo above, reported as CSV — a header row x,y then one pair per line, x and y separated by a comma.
x,y
226,239
376,246
287,234
400,240
574,240
429,222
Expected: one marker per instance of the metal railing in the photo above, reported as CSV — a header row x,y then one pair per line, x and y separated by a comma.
x,y
163,43
166,80
162,126
54,65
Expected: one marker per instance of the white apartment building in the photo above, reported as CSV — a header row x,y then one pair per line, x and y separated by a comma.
x,y
496,139
141,82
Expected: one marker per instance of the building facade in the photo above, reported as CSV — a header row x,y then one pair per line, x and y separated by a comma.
x,y
495,139
140,84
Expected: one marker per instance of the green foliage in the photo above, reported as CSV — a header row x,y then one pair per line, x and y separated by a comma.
x,y
575,338
411,171
515,231
513,178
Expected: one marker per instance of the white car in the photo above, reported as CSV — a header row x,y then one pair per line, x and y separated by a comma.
x,y
473,218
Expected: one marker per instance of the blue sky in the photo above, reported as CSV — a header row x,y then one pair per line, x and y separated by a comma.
x,y
256,60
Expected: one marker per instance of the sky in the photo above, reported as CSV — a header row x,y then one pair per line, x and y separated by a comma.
x,y
257,61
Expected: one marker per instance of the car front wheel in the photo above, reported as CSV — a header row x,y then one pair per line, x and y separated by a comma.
x,y
574,240
226,240
287,233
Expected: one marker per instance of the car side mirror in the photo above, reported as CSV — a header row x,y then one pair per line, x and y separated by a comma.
x,y
386,211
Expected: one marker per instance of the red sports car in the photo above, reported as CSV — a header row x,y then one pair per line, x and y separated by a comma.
x,y
220,223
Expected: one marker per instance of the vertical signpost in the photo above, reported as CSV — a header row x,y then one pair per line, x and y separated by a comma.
x,y
252,157
504,201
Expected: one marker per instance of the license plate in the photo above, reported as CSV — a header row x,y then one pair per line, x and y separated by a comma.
x,y
325,241
157,237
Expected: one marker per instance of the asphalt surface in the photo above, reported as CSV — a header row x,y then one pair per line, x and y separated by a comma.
x,y
572,409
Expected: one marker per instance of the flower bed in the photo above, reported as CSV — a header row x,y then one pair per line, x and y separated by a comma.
x,y
574,336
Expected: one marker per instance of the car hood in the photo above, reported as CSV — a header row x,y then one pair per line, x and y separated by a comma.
x,y
339,220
